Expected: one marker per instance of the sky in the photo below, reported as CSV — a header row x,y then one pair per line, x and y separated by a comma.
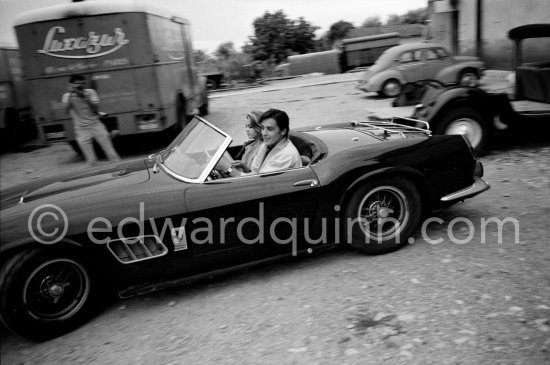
x,y
217,21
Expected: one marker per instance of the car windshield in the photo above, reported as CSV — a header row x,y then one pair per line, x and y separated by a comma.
x,y
193,154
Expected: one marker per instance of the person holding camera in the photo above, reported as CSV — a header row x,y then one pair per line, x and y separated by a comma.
x,y
82,105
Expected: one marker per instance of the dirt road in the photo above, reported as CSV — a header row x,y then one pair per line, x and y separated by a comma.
x,y
462,294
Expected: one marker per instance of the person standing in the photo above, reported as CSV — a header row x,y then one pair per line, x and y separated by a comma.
x,y
82,105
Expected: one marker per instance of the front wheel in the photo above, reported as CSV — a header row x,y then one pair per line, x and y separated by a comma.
x,y
467,122
45,293
391,88
381,215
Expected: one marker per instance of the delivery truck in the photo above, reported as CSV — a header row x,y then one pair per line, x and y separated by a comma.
x,y
138,57
16,123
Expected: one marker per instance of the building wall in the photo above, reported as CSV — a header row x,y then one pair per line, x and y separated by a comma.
x,y
498,17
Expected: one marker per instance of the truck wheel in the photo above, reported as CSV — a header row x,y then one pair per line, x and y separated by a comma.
x,y
468,77
45,293
465,121
382,214
391,88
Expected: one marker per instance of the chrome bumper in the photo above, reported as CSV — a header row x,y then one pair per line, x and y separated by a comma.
x,y
477,187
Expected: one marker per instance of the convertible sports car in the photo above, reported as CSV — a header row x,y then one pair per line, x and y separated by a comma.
x,y
138,226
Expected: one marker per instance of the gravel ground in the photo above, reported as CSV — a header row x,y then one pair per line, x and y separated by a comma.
x,y
483,301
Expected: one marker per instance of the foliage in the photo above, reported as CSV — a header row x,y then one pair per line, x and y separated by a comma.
x,y
276,37
373,21
225,51
200,56
418,16
337,32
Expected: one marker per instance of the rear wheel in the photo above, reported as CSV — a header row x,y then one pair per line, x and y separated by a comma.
x,y
45,293
382,214
468,77
391,88
467,122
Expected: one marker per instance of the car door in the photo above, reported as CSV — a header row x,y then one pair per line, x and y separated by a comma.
x,y
410,65
436,59
251,217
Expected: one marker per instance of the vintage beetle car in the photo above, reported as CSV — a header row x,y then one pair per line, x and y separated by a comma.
x,y
142,225
478,114
419,61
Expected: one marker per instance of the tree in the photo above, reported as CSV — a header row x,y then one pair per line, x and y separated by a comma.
x,y
337,32
200,56
373,21
418,16
393,19
276,37
225,51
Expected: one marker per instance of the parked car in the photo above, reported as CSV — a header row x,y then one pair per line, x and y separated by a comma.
x,y
477,114
419,61
139,226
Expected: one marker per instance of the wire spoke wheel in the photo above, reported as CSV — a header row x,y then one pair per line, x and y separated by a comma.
x,y
46,292
383,212
56,289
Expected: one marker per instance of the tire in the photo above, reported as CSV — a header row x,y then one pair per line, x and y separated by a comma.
x,y
45,293
391,88
392,201
468,77
465,121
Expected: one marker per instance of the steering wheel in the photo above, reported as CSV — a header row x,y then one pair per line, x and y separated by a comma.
x,y
215,175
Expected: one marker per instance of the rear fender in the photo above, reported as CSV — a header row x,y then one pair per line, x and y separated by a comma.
x,y
408,173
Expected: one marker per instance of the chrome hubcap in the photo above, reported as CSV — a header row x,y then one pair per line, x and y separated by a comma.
x,y
469,79
467,127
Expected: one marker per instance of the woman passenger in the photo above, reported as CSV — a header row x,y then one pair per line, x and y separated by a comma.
x,y
250,148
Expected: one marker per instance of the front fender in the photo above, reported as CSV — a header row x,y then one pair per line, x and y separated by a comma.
x,y
459,96
487,105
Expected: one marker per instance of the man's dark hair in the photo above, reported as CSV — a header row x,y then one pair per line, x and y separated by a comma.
x,y
279,116
76,77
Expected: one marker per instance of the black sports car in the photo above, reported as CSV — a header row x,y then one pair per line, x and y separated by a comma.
x,y
138,226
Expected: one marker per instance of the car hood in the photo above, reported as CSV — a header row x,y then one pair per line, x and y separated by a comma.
x,y
79,183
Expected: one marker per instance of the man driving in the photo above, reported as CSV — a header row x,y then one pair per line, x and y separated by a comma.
x,y
276,152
